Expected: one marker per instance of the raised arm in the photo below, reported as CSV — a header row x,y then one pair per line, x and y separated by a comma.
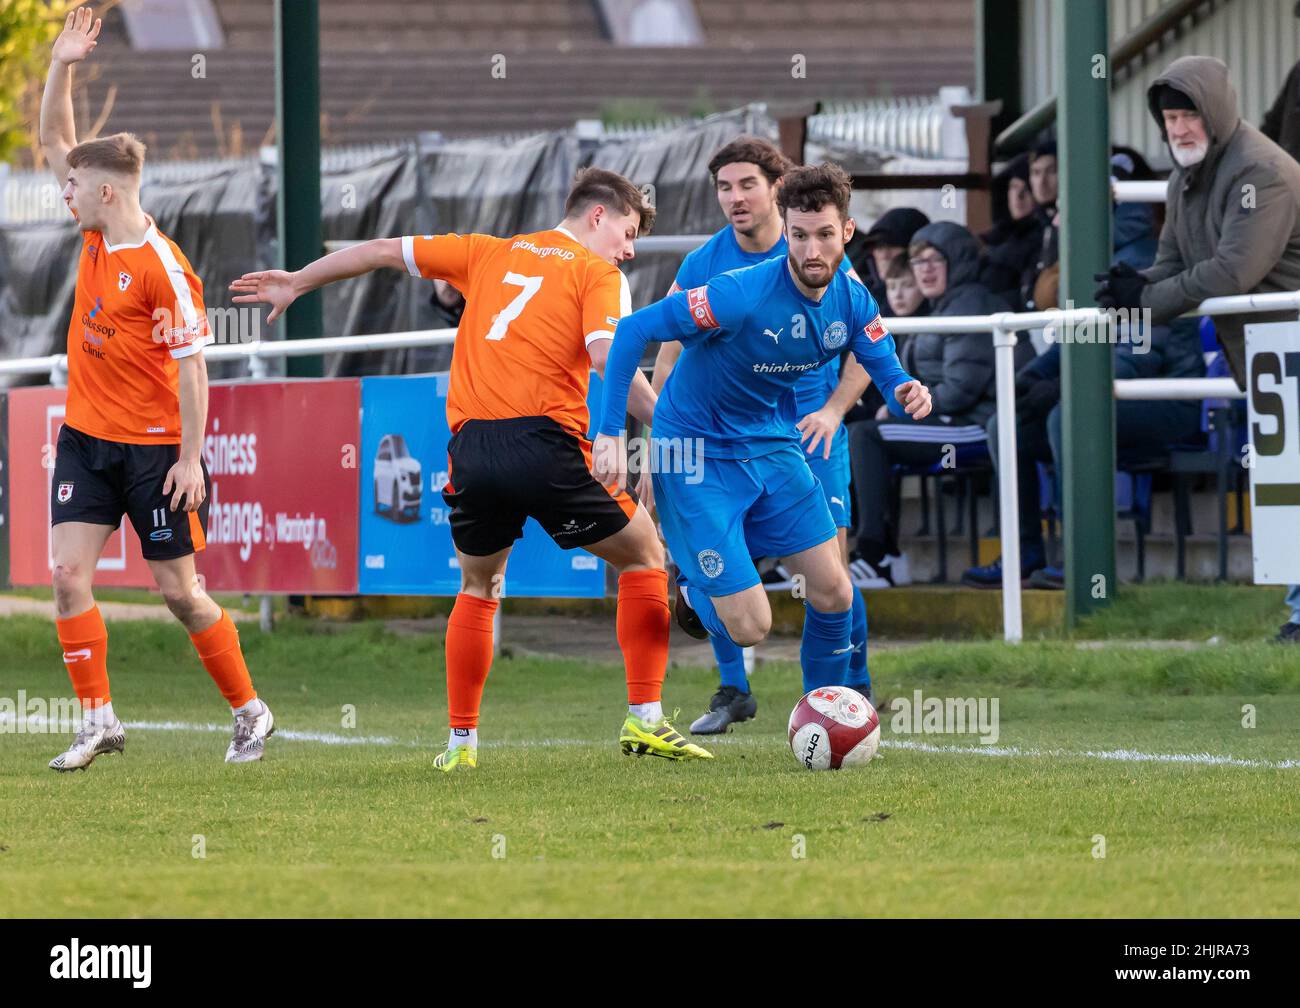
x,y
280,289
58,128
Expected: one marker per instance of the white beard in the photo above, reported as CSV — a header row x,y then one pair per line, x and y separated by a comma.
x,y
1186,157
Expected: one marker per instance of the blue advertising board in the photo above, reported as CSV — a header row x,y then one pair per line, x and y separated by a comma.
x,y
405,537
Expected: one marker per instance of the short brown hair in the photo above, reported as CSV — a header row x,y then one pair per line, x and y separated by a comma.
x,y
753,150
121,154
898,267
920,245
812,187
610,189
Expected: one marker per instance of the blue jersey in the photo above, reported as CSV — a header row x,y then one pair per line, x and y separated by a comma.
x,y
721,254
747,336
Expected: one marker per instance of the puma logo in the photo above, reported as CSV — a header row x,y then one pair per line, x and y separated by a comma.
x,y
774,335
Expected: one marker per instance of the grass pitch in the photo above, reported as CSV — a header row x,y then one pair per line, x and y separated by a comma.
x,y
351,819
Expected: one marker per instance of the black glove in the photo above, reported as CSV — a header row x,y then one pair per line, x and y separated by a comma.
x,y
1120,287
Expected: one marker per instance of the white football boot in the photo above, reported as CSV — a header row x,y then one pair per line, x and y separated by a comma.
x,y
91,741
251,732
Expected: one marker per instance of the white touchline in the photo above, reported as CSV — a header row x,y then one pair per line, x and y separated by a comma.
x,y
1114,755
1004,752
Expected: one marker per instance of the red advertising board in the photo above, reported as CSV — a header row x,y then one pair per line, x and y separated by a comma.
x,y
283,513
283,458
35,416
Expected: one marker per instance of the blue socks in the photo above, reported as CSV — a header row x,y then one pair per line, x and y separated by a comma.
x,y
859,678
731,662
730,655
827,645
834,650
703,606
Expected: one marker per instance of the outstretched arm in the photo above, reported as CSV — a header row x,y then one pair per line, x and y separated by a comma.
x,y
641,397
280,289
58,128
609,455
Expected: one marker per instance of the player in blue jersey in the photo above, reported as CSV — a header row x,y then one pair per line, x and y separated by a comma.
x,y
746,174
748,335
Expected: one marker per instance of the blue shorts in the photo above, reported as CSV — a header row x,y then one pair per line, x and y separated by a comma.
x,y
715,521
833,474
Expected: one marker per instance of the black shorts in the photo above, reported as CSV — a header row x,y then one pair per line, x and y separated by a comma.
x,y
99,481
503,472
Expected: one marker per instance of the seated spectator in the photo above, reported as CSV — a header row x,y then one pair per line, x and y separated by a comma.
x,y
905,300
958,368
1144,431
1013,245
1043,187
1133,230
886,240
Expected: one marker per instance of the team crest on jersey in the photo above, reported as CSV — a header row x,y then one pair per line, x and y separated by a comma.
x,y
123,281
876,331
710,562
697,299
835,336
65,492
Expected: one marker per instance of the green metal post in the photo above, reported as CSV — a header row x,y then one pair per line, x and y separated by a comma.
x,y
1087,368
297,109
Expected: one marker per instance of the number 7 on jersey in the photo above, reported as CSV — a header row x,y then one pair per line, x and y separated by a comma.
x,y
530,285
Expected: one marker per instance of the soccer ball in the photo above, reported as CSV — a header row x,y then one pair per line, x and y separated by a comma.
x,y
834,727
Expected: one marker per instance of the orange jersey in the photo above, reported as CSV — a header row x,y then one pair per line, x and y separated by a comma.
x,y
533,303
138,309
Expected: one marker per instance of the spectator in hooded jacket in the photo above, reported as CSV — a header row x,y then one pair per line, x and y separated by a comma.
x,y
1232,218
1013,245
885,240
957,368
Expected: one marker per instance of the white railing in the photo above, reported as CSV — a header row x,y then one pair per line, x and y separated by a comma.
x,y
1139,192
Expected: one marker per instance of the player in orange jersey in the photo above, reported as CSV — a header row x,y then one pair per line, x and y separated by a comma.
x,y
133,432
540,312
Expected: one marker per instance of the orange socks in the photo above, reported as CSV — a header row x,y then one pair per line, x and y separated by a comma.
x,y
85,652
218,648
641,624
469,656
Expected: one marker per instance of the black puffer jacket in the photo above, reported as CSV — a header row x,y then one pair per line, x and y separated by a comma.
x,y
1011,247
958,368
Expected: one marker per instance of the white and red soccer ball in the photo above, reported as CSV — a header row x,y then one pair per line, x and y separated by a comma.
x,y
834,727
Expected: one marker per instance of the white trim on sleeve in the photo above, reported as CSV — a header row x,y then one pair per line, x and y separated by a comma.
x,y
176,277
189,349
408,254
624,295
596,334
